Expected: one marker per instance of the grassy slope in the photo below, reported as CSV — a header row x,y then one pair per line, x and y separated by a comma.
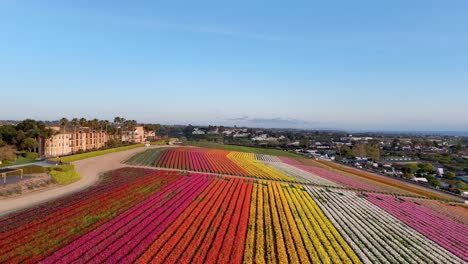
x,y
145,158
273,152
64,174
20,160
95,153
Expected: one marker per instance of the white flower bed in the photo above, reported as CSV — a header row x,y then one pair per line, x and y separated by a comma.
x,y
300,175
270,158
375,235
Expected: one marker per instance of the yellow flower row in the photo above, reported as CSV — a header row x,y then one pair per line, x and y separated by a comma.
x,y
251,230
255,168
286,225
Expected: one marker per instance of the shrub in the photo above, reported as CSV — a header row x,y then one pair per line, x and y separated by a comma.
x,y
32,169
30,155
7,153
64,174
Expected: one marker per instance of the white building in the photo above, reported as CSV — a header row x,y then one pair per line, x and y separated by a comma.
x,y
197,131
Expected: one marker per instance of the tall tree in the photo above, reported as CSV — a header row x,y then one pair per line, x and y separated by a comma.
x,y
83,122
94,124
63,123
373,152
360,150
75,122
30,144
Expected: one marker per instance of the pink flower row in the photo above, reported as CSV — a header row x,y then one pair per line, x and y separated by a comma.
x,y
125,237
336,178
449,234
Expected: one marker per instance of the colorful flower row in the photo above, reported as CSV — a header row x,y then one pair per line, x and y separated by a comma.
x,y
216,161
300,175
124,238
40,237
449,234
158,216
269,158
286,225
456,212
332,176
256,168
199,159
375,180
110,181
375,235
211,229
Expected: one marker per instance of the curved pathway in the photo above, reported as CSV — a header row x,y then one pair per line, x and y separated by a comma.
x,y
90,169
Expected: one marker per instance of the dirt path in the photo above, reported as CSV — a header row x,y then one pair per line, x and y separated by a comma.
x,y
89,169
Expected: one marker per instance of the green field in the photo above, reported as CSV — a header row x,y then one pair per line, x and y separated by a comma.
x,y
274,152
145,158
95,153
19,161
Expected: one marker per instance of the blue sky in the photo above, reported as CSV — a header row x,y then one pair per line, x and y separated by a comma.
x,y
377,65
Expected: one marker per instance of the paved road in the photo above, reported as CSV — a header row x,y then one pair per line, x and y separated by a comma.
x,y
89,169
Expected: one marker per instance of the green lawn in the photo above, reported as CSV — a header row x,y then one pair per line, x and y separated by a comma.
x,y
95,153
274,152
20,160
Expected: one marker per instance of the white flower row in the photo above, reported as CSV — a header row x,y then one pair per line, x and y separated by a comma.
x,y
299,174
375,235
270,158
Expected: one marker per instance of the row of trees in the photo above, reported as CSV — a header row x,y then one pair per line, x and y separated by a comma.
x,y
25,135
119,123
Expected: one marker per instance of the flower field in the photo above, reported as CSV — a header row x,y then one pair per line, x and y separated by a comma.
x,y
139,215
212,161
286,225
301,175
374,234
38,236
447,233
385,182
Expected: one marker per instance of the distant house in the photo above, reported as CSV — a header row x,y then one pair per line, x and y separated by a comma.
x,y
228,132
398,159
440,171
264,137
241,135
213,132
294,144
420,179
197,131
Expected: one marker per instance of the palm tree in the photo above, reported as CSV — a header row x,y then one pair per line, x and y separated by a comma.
x,y
102,123
157,127
94,123
75,122
117,120
83,122
63,122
